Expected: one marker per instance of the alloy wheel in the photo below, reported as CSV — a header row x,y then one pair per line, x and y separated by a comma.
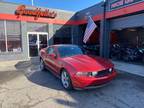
x,y
65,79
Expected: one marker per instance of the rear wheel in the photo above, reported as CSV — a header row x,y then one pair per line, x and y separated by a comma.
x,y
66,80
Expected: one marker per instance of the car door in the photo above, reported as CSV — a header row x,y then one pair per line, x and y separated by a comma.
x,y
49,51
56,64
52,61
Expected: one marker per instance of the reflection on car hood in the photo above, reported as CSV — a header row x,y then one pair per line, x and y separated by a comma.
x,y
87,63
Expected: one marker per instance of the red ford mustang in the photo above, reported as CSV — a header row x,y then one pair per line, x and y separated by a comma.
x,y
74,68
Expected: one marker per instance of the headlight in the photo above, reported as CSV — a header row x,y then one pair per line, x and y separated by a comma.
x,y
140,51
94,73
88,74
110,69
83,73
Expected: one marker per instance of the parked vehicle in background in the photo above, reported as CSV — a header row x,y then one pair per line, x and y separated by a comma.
x,y
75,68
92,49
126,53
141,50
132,54
116,51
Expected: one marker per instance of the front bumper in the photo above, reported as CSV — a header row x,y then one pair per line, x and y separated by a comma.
x,y
88,82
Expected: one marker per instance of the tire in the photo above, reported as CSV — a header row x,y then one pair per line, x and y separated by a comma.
x,y
66,80
42,65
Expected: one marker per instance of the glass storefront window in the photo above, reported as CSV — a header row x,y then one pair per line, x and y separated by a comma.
x,y
37,27
13,36
62,34
2,37
10,36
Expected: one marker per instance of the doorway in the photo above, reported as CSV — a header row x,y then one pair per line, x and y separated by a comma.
x,y
36,41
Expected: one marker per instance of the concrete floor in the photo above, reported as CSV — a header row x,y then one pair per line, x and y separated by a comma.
x,y
136,69
31,88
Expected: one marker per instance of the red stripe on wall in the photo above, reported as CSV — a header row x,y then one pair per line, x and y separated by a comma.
x,y
126,10
79,22
97,17
119,12
39,20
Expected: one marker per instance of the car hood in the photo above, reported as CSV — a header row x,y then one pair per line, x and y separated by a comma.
x,y
87,63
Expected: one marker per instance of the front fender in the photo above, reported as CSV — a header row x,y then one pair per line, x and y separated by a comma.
x,y
70,69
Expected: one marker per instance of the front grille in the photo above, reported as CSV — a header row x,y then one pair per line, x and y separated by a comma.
x,y
103,73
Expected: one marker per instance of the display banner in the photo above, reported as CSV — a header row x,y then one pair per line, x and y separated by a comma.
x,y
122,3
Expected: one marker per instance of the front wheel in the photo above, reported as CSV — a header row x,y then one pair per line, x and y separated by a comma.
x,y
65,80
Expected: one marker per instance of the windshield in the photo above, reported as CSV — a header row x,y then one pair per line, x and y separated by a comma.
x,y
67,51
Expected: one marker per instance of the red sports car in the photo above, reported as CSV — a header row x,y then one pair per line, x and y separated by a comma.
x,y
75,68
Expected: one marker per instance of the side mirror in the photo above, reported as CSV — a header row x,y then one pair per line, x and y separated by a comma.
x,y
53,55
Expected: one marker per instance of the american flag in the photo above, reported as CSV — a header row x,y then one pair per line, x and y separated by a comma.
x,y
89,29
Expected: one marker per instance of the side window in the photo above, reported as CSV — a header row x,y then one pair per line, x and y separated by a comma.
x,y
50,50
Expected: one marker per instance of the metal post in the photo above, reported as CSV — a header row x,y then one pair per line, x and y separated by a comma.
x,y
32,2
6,40
72,38
103,30
106,33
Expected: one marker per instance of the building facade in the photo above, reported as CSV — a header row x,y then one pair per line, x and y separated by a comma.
x,y
26,29
119,21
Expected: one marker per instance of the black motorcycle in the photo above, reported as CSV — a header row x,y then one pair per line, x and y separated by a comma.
x,y
92,49
126,53
116,52
132,54
141,50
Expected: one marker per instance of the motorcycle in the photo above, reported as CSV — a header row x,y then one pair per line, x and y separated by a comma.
x,y
126,53
92,49
116,52
141,50
132,54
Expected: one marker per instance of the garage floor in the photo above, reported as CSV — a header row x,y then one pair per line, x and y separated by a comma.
x,y
32,88
130,68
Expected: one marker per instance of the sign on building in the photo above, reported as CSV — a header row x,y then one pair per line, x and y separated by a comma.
x,y
122,3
